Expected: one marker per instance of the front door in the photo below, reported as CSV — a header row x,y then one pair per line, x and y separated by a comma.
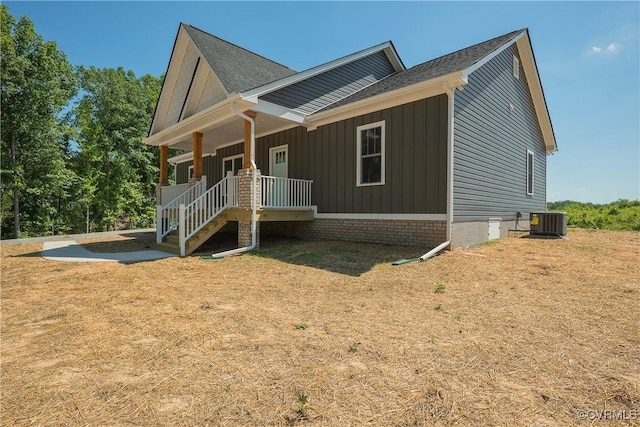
x,y
278,190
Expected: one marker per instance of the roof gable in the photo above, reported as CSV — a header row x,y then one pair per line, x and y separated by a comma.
x,y
237,68
204,70
459,64
447,64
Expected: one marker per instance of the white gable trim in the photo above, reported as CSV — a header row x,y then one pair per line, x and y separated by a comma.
x,y
528,62
492,55
387,47
182,42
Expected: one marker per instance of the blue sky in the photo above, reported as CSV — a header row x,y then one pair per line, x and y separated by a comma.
x,y
587,55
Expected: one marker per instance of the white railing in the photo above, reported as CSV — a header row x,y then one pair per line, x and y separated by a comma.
x,y
167,215
189,213
169,193
200,212
285,192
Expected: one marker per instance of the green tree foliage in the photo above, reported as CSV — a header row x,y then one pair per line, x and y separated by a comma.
x,y
118,172
37,83
620,215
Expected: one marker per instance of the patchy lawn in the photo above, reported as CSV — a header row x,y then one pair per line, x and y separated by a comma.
x,y
520,332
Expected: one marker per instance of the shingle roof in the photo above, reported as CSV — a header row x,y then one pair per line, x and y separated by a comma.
x,y
240,69
456,61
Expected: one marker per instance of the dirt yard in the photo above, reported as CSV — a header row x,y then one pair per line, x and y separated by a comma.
x,y
518,332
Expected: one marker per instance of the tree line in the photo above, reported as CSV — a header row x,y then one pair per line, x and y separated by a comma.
x,y
72,157
619,215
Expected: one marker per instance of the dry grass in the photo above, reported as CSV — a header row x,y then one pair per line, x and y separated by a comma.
x,y
527,332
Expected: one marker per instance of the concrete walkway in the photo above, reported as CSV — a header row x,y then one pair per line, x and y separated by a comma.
x,y
71,251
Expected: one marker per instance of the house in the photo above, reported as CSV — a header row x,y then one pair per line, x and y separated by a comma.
x,y
448,153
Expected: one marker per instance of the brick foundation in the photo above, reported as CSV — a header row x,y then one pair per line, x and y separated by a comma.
x,y
425,234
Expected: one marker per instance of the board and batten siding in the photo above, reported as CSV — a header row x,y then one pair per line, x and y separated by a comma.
x,y
317,92
185,74
415,161
211,165
494,125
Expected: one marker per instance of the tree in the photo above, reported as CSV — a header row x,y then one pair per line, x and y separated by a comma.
x,y
118,171
37,83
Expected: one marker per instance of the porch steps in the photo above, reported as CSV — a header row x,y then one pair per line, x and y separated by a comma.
x,y
171,243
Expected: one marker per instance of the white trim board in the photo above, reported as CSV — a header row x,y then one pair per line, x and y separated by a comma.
x,y
383,216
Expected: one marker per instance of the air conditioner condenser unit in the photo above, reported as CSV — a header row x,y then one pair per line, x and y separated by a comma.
x,y
548,224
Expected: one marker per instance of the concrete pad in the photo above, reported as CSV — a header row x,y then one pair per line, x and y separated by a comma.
x,y
71,251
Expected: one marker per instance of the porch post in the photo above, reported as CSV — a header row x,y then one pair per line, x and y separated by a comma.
x,y
197,154
247,139
164,168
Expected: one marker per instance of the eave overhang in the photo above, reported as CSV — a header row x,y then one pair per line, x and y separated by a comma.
x,y
210,118
528,61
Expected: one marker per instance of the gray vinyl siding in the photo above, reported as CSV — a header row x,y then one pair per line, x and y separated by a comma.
x,y
415,161
491,143
319,91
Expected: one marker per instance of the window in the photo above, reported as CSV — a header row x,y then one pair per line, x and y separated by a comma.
x,y
370,147
530,172
190,172
233,164
516,67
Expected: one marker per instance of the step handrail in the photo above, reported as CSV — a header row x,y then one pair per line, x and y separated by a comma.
x,y
167,216
205,208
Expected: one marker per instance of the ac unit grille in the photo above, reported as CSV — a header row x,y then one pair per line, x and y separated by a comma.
x,y
548,224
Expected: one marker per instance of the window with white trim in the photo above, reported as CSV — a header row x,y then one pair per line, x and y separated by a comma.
x,y
370,157
233,164
530,169
516,67
190,172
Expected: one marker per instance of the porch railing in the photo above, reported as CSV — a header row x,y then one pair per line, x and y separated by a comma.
x,y
205,208
168,193
167,215
195,208
285,192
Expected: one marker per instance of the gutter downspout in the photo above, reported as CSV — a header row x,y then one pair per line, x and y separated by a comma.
x,y
254,192
450,94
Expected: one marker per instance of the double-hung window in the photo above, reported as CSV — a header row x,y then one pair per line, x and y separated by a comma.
x,y
370,158
530,169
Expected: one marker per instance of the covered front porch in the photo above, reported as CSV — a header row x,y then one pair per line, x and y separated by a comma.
x,y
191,218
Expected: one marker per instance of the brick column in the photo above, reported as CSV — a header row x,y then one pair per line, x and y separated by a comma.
x,y
245,180
159,193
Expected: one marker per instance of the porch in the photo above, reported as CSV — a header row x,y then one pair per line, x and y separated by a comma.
x,y
189,214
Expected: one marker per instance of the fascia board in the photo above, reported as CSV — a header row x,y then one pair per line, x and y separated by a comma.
x,y
390,99
171,75
253,94
394,58
204,119
492,55
537,94
277,111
